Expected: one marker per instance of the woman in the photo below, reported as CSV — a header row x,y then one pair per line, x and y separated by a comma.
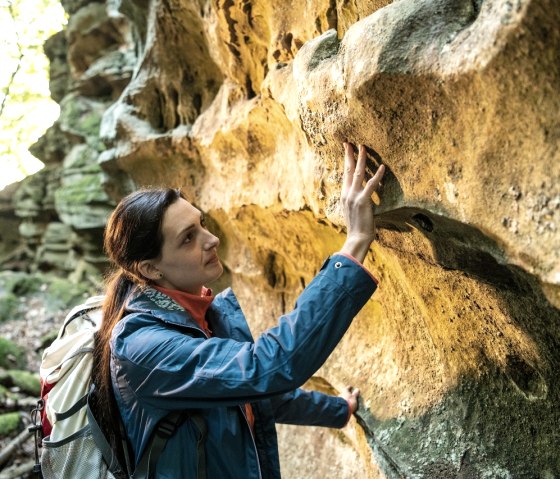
x,y
167,344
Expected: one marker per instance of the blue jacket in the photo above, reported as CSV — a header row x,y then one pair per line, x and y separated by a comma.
x,y
162,361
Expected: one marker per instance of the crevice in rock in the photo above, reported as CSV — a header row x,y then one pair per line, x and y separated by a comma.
x,y
456,246
332,16
419,444
386,459
173,104
248,10
233,43
274,272
423,221
249,87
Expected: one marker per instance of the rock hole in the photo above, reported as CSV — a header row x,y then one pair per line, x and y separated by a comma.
x,y
526,378
287,41
249,86
154,110
269,270
318,25
423,222
197,102
476,6
332,16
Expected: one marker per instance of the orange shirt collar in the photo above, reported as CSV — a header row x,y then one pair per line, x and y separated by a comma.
x,y
194,304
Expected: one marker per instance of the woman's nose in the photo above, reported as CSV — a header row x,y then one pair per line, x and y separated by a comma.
x,y
211,242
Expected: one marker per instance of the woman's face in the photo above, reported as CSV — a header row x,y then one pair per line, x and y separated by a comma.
x,y
189,258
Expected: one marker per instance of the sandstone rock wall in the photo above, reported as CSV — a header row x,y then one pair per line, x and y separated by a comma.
x,y
244,104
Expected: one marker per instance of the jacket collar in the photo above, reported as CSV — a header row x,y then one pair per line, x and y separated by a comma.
x,y
158,304
224,316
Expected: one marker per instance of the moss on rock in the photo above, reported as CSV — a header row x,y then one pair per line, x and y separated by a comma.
x,y
65,294
9,423
8,306
26,381
20,284
13,286
11,355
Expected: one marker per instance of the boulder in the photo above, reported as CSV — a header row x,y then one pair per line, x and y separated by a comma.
x,y
92,32
81,201
59,72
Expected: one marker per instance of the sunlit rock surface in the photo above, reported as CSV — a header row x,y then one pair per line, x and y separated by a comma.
x,y
244,104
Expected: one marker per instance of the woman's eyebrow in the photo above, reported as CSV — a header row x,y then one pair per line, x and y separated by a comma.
x,y
185,230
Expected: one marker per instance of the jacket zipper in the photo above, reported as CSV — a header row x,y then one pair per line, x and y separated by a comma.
x,y
252,439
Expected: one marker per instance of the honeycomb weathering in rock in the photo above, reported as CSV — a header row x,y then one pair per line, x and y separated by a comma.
x,y
244,104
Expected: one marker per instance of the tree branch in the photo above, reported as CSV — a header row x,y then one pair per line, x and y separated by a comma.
x,y
13,446
15,72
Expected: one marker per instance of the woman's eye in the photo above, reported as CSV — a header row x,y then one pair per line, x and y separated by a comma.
x,y
203,222
188,238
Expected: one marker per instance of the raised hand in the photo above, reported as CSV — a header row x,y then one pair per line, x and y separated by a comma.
x,y
357,203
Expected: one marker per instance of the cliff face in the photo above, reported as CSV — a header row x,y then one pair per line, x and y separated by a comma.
x,y
244,104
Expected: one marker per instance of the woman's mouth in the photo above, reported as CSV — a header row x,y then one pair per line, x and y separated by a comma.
x,y
215,259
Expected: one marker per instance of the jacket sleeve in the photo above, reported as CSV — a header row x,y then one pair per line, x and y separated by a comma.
x,y
168,369
310,408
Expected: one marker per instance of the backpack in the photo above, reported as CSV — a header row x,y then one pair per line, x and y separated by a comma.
x,y
64,421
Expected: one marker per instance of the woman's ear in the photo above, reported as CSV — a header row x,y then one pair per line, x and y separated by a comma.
x,y
149,271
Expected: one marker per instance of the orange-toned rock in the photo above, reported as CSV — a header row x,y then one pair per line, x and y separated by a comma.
x,y
245,103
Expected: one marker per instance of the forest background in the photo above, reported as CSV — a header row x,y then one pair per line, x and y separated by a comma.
x,y
26,108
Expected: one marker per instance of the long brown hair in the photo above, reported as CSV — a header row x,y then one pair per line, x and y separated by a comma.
x,y
133,234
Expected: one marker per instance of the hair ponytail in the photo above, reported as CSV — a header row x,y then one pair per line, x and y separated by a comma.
x,y
118,287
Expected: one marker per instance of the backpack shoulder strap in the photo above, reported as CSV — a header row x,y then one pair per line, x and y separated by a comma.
x,y
165,429
101,442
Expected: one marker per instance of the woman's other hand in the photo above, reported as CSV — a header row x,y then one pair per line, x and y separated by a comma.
x,y
357,203
351,395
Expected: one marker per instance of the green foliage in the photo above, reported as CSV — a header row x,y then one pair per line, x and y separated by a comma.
x,y
9,423
14,285
26,109
59,293
8,306
24,380
20,284
11,355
